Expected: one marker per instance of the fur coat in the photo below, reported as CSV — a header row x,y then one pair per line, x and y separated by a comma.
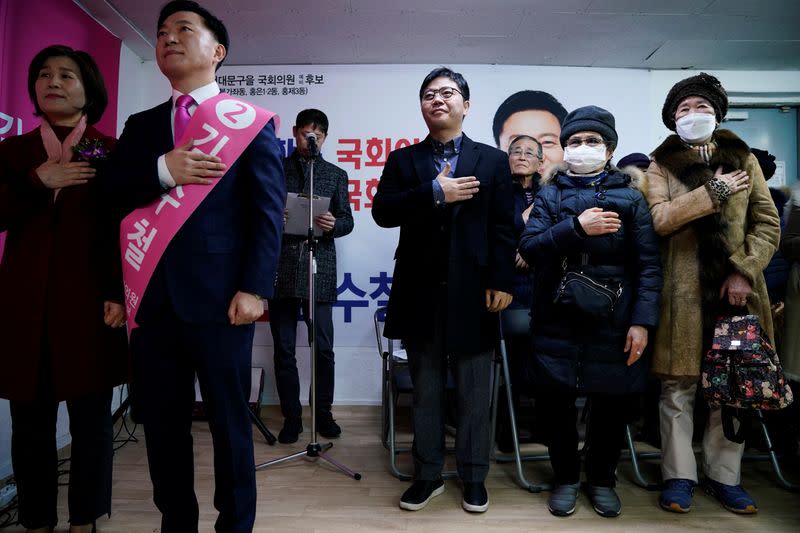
x,y
703,242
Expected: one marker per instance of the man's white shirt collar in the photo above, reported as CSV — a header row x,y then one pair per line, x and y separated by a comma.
x,y
200,95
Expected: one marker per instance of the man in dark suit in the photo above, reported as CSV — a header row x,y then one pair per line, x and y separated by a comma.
x,y
196,316
454,270
291,286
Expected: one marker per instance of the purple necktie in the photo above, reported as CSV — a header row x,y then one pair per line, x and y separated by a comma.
x,y
182,116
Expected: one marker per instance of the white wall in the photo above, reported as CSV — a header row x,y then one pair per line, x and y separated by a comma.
x,y
141,86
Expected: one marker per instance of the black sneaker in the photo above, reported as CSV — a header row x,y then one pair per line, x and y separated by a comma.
x,y
420,493
476,500
292,427
327,426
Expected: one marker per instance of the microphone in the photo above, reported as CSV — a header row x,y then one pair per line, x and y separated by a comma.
x,y
311,139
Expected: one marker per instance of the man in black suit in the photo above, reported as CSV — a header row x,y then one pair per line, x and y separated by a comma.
x,y
196,316
454,270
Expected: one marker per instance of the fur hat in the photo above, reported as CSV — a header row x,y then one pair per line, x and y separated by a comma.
x,y
589,118
704,85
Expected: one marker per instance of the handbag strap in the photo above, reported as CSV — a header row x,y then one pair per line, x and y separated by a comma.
x,y
728,414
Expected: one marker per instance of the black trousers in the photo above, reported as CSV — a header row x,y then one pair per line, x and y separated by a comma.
x,y
428,364
605,433
35,460
283,313
167,355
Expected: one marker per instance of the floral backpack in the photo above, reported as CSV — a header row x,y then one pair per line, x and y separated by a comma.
x,y
741,369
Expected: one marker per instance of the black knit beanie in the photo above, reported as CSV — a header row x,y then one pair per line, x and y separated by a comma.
x,y
704,85
589,118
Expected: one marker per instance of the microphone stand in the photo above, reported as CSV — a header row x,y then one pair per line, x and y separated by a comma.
x,y
314,449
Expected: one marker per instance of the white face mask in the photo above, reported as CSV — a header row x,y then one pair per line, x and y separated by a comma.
x,y
696,127
584,159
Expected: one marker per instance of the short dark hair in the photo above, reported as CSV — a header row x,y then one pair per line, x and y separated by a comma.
x,y
214,24
444,72
539,150
93,85
526,101
312,117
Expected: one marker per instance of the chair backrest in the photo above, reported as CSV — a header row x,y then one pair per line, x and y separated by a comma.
x,y
514,323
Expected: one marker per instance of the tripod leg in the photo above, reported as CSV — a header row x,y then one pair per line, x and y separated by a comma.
x,y
262,428
340,466
281,460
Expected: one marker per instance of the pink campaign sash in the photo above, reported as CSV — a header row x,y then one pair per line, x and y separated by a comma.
x,y
222,126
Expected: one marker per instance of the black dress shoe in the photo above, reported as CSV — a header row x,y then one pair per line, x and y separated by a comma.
x,y
292,427
420,493
476,500
327,426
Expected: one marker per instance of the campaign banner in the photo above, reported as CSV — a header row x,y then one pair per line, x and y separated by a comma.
x,y
374,109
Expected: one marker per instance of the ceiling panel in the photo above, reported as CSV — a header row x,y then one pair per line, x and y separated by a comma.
x,y
682,7
753,7
725,55
740,34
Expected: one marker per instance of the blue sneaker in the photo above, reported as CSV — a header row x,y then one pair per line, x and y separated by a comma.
x,y
676,495
732,497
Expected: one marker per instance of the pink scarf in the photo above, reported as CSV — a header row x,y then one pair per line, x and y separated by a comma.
x,y
56,150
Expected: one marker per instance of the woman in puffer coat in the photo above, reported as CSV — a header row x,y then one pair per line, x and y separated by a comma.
x,y
589,216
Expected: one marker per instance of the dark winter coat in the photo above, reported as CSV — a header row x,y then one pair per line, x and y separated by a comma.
x,y
477,253
523,278
587,352
61,262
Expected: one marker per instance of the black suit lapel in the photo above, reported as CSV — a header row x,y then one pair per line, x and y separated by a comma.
x,y
163,130
423,160
467,161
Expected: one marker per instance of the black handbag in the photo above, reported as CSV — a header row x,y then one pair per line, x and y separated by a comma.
x,y
586,294
583,293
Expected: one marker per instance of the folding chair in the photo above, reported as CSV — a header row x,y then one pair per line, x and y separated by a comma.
x,y
770,455
395,380
513,322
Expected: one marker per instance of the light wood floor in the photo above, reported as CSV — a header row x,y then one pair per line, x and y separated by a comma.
x,y
302,496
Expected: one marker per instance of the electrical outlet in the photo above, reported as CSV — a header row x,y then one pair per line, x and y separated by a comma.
x,y
7,495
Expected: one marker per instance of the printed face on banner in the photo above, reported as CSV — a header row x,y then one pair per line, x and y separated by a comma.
x,y
441,114
300,135
185,46
59,89
539,124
